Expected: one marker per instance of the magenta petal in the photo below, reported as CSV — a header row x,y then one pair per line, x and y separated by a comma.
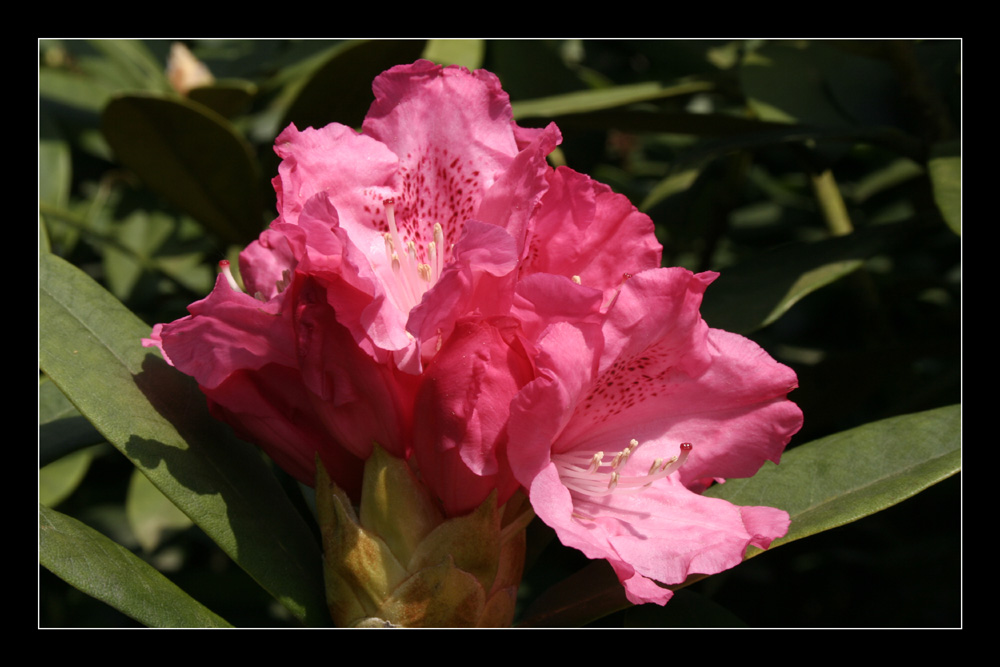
x,y
579,220
460,428
424,111
227,331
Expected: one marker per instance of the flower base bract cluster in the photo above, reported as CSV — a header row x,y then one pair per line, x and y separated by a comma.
x,y
431,285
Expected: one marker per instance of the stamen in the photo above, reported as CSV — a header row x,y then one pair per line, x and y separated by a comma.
x,y
224,266
410,277
589,474
438,243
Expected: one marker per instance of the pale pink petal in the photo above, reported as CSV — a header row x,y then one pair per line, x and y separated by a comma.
x,y
659,378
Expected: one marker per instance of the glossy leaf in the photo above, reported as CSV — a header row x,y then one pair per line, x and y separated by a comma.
x,y
784,83
465,52
54,165
945,169
823,484
192,157
62,429
603,98
226,98
847,476
59,479
151,515
341,89
103,569
138,67
156,416
755,293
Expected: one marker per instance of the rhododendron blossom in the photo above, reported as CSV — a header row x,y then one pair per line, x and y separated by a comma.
x,y
433,286
622,428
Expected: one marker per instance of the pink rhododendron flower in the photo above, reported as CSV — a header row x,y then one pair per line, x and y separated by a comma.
x,y
623,426
384,242
431,285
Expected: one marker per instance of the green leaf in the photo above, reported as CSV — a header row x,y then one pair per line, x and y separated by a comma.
x,y
139,67
59,479
62,429
156,416
226,98
341,89
151,515
585,101
784,83
103,569
583,597
945,169
757,292
465,52
54,165
192,157
847,476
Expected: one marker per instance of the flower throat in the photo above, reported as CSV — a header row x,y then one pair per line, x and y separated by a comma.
x,y
410,278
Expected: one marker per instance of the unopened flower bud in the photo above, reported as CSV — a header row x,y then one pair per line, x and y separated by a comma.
x,y
399,562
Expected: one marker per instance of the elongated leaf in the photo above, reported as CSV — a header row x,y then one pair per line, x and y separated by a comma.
x,y
945,168
843,477
192,157
62,429
58,480
150,514
103,569
341,89
465,52
90,347
135,62
755,293
604,98
783,82
822,484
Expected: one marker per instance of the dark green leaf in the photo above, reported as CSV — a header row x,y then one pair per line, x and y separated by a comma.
x,y
226,98
585,596
90,347
59,479
341,90
784,83
62,429
945,168
586,101
138,66
755,293
54,166
150,514
191,156
847,476
111,573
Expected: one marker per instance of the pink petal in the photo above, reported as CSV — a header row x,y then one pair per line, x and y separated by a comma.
x,y
461,412
579,223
